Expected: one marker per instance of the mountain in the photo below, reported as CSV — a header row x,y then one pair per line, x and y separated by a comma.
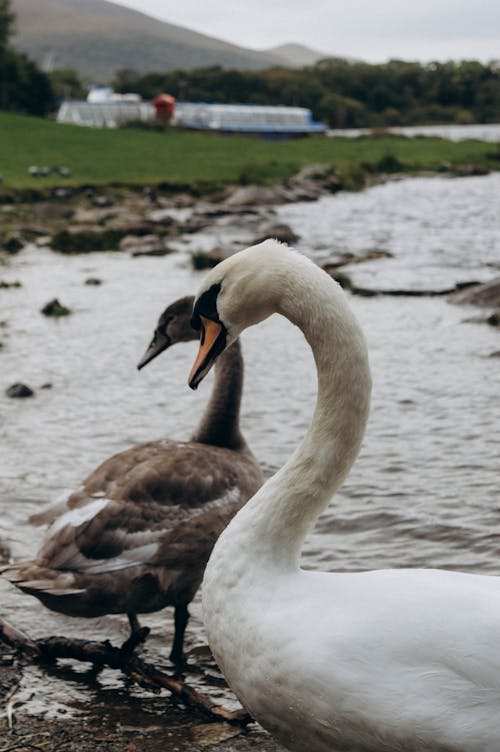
x,y
97,38
297,55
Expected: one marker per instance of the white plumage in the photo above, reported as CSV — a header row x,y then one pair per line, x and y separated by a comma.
x,y
384,661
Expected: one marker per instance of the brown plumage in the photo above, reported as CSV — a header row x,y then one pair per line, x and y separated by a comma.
x,y
135,537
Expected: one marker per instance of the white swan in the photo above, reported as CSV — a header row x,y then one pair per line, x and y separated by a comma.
x,y
386,660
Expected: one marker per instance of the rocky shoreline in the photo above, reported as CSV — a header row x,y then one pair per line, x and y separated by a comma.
x,y
159,221
154,223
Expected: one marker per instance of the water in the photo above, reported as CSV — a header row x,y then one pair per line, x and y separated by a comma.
x,y
424,491
477,131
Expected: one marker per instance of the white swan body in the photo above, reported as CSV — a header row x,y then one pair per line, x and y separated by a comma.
x,y
392,661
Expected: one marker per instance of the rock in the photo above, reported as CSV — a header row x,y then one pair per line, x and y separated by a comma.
x,y
468,170
87,241
343,279
104,201
372,255
5,285
150,193
152,252
494,319
183,200
18,391
341,259
306,191
5,553
47,385
13,243
55,308
474,320
63,193
319,171
196,223
206,259
346,258
93,281
161,217
146,245
280,232
315,180
30,232
251,195
43,241
495,354
46,211
486,294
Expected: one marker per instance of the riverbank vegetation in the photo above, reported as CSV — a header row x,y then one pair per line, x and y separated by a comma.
x,y
346,93
23,86
342,93
200,162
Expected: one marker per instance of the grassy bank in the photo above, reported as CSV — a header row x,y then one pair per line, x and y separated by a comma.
x,y
127,156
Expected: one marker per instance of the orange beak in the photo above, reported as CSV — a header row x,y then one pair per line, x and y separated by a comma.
x,y
212,342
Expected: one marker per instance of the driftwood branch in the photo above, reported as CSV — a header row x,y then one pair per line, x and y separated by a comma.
x,y
123,659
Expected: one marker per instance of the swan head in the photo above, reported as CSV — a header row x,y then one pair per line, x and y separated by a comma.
x,y
239,292
174,325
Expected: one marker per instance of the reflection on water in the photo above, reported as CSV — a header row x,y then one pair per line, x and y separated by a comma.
x,y
424,491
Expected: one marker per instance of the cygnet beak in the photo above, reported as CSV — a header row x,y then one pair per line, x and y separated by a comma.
x,y
158,344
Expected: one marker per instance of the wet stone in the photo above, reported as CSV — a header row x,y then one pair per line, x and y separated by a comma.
x,y
104,201
494,319
280,232
19,391
55,308
13,243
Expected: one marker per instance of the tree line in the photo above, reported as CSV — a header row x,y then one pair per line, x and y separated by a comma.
x,y
23,86
343,93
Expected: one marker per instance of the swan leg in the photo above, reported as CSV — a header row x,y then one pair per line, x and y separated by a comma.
x,y
134,623
137,635
181,618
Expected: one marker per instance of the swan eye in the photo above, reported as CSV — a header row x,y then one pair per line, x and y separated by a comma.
x,y
163,328
213,340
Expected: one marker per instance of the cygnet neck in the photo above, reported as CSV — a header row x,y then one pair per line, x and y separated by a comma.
x,y
220,423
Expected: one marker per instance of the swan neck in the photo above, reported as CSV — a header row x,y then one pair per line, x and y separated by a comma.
x,y
285,509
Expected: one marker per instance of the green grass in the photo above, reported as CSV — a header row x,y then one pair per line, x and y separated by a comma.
x,y
141,157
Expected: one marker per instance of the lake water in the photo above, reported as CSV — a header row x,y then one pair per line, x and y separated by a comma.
x,y
479,131
425,488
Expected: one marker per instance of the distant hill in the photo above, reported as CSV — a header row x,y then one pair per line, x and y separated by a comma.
x,y
97,38
297,55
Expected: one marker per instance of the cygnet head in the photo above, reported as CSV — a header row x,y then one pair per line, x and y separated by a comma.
x,y
174,325
239,292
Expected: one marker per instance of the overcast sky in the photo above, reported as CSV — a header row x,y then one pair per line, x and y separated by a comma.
x,y
374,30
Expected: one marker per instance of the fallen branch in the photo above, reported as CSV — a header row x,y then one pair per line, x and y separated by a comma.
x,y
105,654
